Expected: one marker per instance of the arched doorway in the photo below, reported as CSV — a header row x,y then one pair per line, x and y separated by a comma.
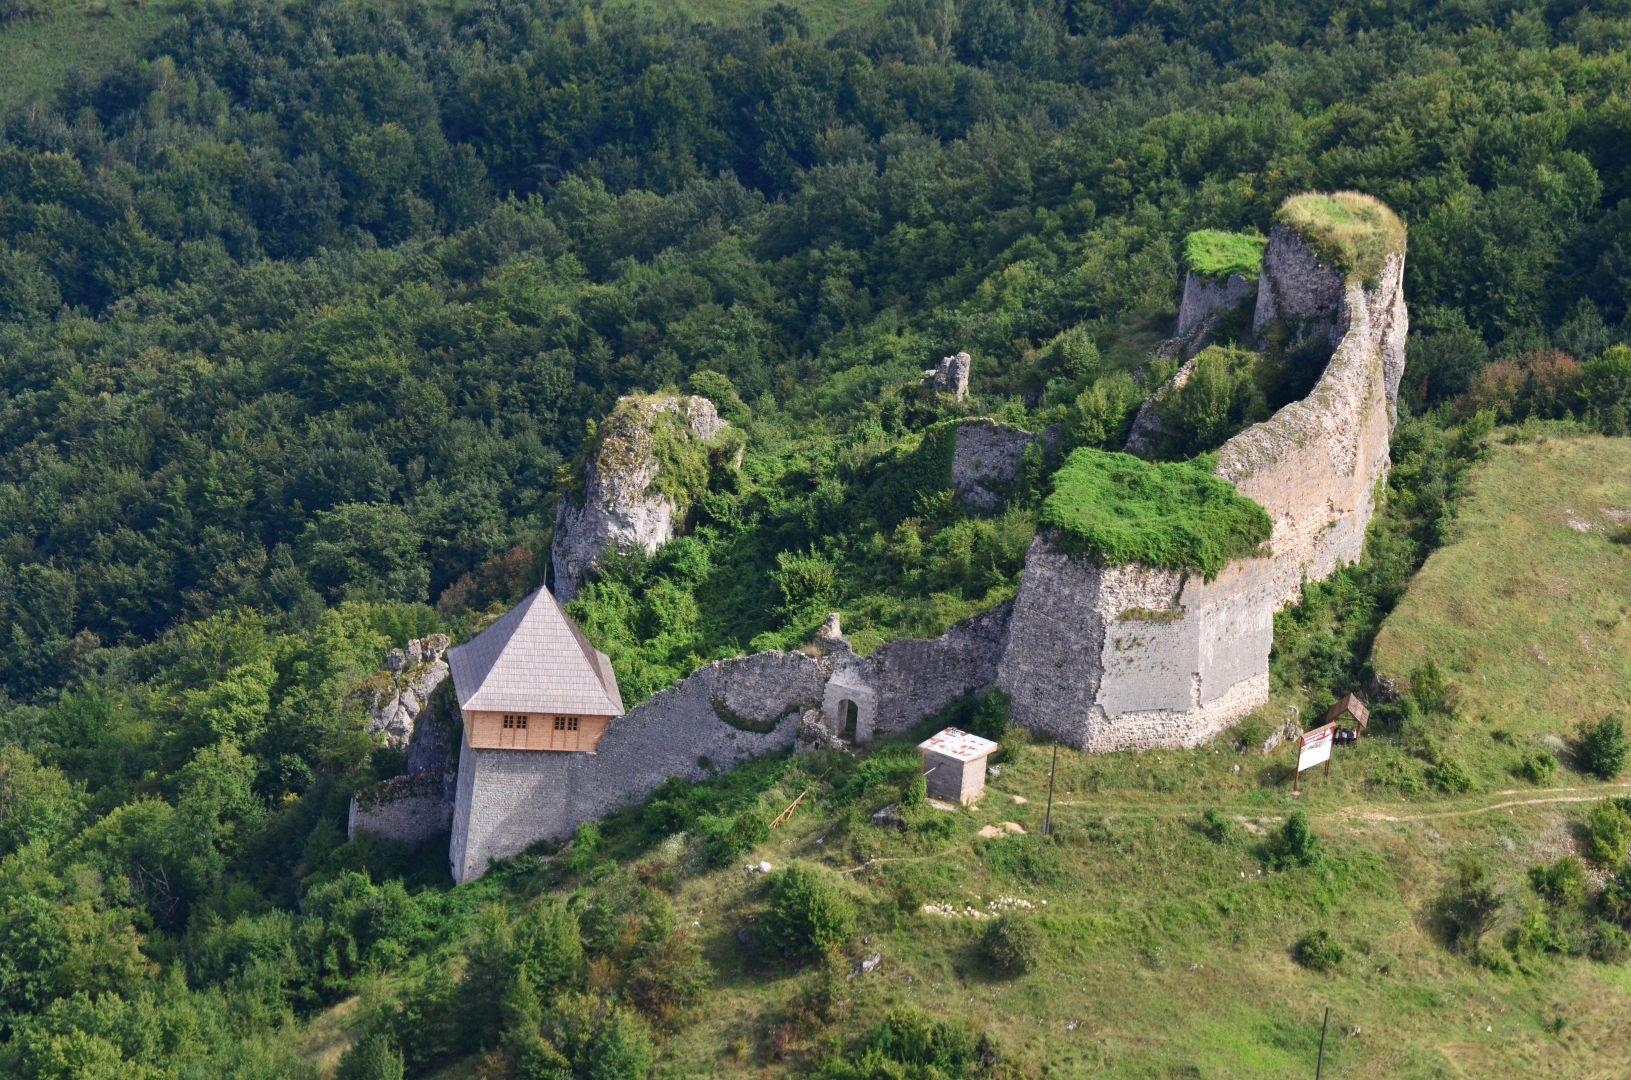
x,y
847,713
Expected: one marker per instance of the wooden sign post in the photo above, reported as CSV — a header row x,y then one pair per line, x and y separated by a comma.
x,y
1313,748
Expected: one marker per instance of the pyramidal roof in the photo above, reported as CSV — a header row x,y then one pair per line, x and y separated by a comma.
x,y
534,659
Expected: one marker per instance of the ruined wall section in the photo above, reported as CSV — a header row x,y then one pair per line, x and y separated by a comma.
x,y
722,715
1317,466
1120,657
1205,297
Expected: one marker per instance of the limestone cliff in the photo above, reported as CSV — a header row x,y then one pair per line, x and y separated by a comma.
x,y
397,696
650,456
1111,657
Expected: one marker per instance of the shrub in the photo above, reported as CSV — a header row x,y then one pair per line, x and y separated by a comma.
x,y
1608,834
916,791
668,977
548,950
1615,899
808,915
1537,767
1602,747
1294,845
1012,944
1215,826
911,1036
1562,884
1610,944
374,1058
1318,951
584,852
1449,776
727,839
1469,907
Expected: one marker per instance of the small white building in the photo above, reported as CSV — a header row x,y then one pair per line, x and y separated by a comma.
x,y
954,765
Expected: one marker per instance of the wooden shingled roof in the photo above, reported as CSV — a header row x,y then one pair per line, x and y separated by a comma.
x,y
534,659
1350,705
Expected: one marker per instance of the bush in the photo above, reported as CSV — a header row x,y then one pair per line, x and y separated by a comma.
x,y
1318,951
727,839
668,977
1537,767
549,947
374,1058
1615,899
1608,834
1562,884
1610,944
1602,747
584,852
1294,845
1215,827
1469,907
809,914
916,792
911,1036
1012,944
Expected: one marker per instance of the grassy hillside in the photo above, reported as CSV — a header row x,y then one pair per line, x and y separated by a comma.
x,y
1526,610
90,36
1168,941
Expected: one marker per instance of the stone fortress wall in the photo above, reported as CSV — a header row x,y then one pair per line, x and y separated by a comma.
x,y
1103,658
723,714
1118,657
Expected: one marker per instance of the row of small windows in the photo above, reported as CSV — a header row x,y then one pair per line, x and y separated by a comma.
x,y
519,723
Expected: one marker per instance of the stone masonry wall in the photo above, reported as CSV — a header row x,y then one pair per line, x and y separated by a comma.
x,y
508,800
412,808
720,716
1118,657
1205,296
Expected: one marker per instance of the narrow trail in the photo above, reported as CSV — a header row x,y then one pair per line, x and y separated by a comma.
x,y
1545,796
1376,813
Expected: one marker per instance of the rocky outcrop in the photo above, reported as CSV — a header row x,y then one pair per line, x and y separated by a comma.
x,y
1205,297
950,376
1113,657
621,505
986,459
398,695
411,703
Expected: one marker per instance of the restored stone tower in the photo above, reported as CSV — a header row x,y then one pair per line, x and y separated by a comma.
x,y
1107,657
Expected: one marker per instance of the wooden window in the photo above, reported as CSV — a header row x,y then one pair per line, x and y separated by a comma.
x,y
515,723
566,723
560,723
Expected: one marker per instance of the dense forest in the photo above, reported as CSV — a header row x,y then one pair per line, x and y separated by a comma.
x,y
307,313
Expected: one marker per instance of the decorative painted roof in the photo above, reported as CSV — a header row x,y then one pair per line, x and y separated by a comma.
x,y
957,744
534,659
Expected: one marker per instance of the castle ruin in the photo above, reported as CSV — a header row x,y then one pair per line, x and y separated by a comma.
x,y
1102,657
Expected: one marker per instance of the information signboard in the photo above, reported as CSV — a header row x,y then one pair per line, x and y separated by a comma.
x,y
1315,748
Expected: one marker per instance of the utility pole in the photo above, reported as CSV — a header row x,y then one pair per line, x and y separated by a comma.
x,y
1319,1066
1047,818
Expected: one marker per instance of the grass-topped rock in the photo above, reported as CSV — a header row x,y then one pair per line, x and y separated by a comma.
x,y
1213,253
1350,231
1118,509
